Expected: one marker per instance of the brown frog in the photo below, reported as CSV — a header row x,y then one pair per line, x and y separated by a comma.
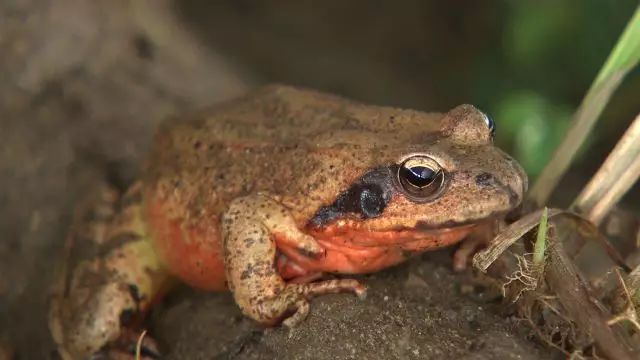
x,y
265,194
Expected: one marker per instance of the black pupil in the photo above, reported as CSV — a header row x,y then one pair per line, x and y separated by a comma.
x,y
490,124
419,176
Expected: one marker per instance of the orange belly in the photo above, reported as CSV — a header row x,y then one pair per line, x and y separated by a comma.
x,y
193,254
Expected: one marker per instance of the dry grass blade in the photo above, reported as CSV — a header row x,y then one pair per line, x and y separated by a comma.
x,y
622,59
629,312
139,344
483,259
615,177
574,296
634,284
582,123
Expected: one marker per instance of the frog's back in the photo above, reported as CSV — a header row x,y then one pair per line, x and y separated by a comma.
x,y
278,139
287,115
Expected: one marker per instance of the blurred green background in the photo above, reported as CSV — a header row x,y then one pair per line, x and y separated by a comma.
x,y
527,63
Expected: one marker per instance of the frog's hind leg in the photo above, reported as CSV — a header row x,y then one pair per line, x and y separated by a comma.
x,y
248,227
109,276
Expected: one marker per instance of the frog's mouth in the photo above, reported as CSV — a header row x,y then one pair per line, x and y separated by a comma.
x,y
491,217
353,233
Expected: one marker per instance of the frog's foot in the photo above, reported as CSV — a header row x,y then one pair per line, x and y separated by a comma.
x,y
252,226
292,303
311,290
473,243
463,255
108,278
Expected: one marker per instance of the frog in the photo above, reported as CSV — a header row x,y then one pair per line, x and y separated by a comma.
x,y
277,196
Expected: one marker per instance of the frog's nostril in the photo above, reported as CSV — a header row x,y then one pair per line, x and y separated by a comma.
x,y
484,179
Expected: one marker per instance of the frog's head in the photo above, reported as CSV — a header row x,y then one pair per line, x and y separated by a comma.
x,y
443,179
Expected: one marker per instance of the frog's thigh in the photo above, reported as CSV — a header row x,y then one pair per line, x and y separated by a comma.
x,y
116,275
250,251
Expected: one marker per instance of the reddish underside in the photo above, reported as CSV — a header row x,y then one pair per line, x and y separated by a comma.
x,y
194,254
191,253
351,250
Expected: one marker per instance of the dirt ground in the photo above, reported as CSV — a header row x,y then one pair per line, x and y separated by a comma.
x,y
83,86
419,310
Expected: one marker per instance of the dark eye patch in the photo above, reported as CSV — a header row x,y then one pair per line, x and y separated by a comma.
x,y
367,198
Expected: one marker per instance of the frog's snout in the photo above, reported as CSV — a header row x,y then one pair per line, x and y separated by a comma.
x,y
519,182
512,180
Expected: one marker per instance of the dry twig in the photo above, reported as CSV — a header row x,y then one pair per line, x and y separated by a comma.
x,y
615,177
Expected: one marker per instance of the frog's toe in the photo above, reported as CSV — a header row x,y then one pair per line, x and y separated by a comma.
x,y
314,289
310,247
335,286
302,310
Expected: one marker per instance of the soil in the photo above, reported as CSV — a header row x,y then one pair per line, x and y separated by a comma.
x,y
83,86
419,310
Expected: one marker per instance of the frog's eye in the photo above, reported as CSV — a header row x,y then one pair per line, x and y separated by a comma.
x,y
491,125
421,178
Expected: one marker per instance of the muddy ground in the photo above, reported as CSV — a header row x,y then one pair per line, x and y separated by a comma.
x,y
84,84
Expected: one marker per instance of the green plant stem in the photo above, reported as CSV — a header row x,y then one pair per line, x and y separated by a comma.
x,y
541,239
624,56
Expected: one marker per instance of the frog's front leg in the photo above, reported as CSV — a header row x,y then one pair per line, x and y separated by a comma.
x,y
109,275
250,228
